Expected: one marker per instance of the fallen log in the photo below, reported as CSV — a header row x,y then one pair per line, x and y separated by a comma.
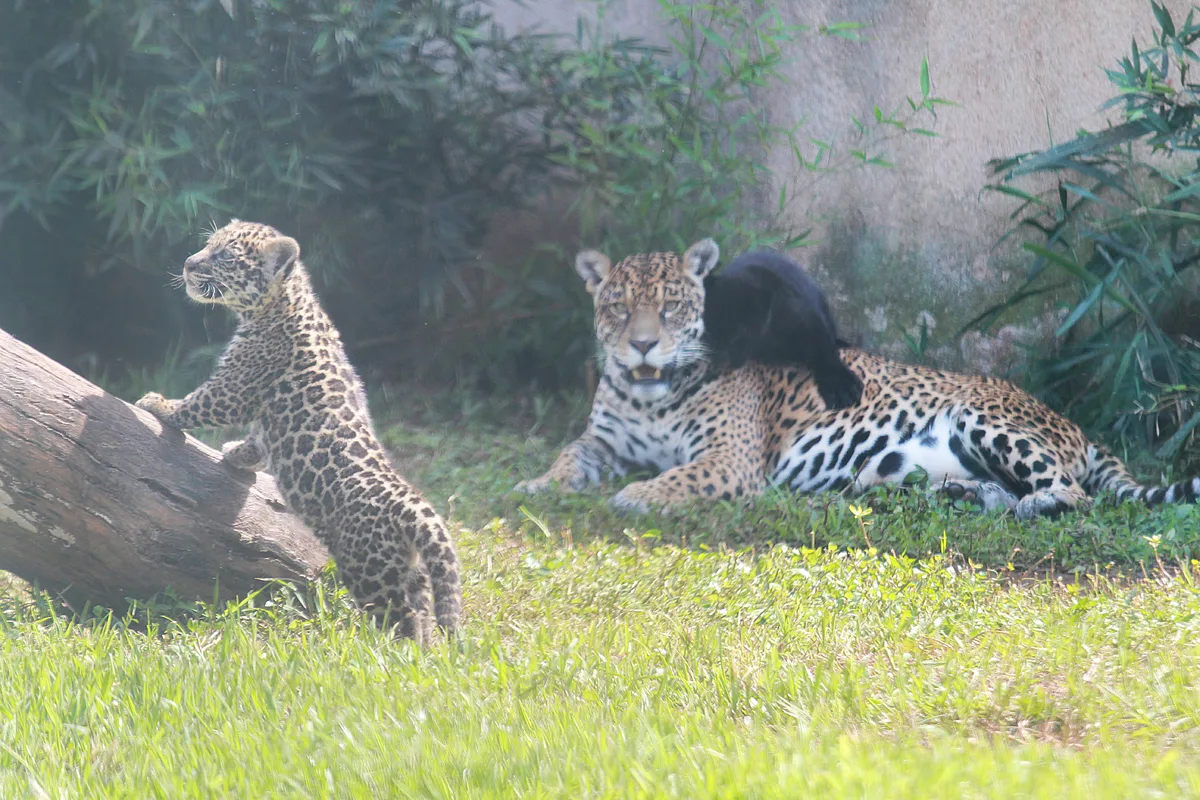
x,y
100,503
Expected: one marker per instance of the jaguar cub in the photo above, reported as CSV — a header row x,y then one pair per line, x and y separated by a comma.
x,y
286,376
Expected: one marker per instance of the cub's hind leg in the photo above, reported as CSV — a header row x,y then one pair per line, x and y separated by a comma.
x,y
396,595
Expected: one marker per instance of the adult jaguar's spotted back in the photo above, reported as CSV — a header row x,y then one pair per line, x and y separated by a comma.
x,y
724,434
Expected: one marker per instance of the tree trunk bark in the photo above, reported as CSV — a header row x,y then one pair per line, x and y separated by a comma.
x,y
100,503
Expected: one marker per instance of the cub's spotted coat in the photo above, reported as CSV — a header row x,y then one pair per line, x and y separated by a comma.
x,y
286,376
725,434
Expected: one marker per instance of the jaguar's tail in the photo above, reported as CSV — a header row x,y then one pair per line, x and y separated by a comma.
x,y
1106,472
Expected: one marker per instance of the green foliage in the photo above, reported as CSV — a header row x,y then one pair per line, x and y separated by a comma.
x,y
669,146
682,160
661,146
174,376
164,114
387,135
384,134
1117,230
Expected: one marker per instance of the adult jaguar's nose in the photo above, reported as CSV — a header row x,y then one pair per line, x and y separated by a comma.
x,y
643,346
190,263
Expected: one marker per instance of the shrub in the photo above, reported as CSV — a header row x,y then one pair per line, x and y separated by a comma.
x,y
659,147
385,135
1117,231
382,133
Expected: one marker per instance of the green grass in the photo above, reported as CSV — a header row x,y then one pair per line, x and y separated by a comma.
x,y
458,453
713,654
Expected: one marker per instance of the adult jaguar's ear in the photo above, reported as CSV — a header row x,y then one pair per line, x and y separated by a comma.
x,y
280,256
701,258
593,266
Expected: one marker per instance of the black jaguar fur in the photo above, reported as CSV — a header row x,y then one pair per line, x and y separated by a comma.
x,y
763,307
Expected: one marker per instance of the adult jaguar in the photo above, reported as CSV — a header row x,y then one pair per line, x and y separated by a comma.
x,y
286,376
711,433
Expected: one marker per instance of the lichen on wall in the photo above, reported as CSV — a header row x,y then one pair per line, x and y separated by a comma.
x,y
888,294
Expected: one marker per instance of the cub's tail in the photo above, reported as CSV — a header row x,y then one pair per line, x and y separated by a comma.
x,y
1105,472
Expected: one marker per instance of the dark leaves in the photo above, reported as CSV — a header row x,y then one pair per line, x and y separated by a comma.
x,y
1118,230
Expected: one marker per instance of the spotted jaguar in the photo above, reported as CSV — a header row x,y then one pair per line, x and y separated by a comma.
x,y
663,405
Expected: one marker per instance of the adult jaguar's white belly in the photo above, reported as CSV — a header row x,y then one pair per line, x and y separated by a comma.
x,y
821,458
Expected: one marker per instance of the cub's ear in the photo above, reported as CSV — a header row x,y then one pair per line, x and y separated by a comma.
x,y
593,266
701,257
280,255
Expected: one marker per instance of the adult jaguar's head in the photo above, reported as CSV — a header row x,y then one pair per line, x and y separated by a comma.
x,y
240,265
649,312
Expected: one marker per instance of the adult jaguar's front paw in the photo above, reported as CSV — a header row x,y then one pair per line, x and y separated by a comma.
x,y
156,404
634,499
988,495
533,486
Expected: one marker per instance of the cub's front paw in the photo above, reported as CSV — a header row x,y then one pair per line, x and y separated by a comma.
x,y
243,455
156,404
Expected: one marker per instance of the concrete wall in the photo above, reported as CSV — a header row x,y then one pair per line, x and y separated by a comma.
x,y
919,240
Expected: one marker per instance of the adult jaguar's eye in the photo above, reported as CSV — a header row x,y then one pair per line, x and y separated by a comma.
x,y
618,309
671,306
